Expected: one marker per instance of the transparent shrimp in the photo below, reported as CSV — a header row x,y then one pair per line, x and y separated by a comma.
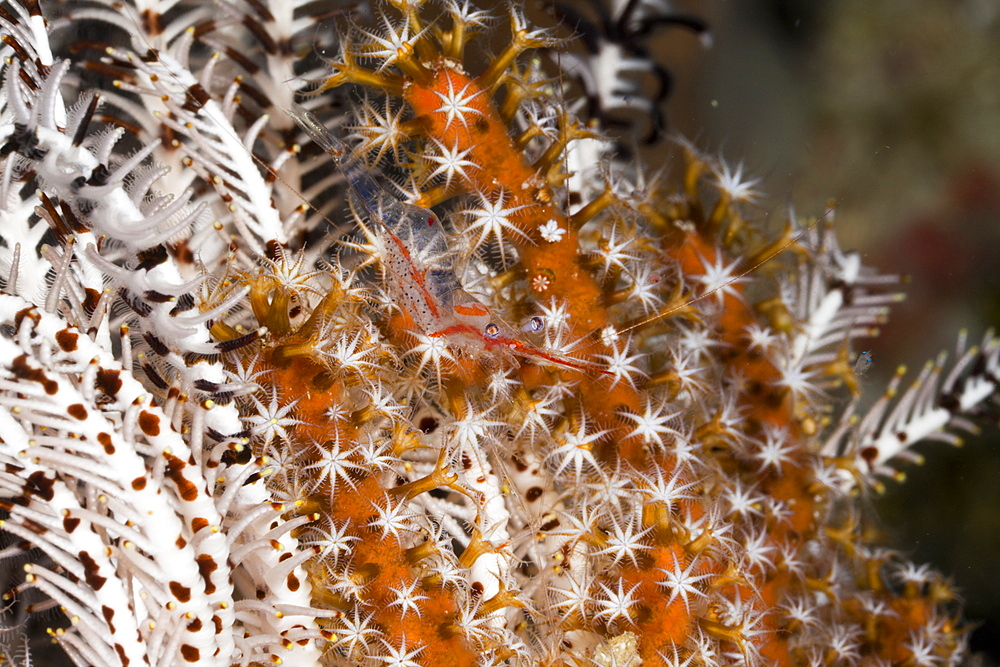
x,y
427,289
407,236
863,363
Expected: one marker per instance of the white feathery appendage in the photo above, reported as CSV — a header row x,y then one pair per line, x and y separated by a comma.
x,y
100,480
937,404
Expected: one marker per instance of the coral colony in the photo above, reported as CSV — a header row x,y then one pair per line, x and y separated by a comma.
x,y
437,380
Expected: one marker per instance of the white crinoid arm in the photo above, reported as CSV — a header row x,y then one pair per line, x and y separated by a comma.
x,y
939,403
98,479
147,541
148,545
113,228
836,298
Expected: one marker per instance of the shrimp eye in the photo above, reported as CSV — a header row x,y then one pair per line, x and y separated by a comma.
x,y
430,221
491,330
533,325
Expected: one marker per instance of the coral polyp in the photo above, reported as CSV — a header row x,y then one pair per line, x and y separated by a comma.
x,y
476,391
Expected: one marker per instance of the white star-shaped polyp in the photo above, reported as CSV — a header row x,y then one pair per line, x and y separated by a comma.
x,y
721,279
620,364
400,657
455,104
616,604
614,253
382,402
474,427
333,541
730,180
271,419
335,463
682,583
382,130
575,598
491,217
356,633
646,287
407,597
799,381
336,412
653,424
776,449
556,315
433,351
397,43
551,231
576,451
759,337
466,14
451,161
625,542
